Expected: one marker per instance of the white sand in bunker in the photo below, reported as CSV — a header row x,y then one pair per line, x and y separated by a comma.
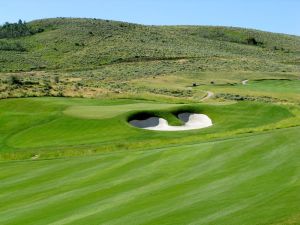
x,y
191,121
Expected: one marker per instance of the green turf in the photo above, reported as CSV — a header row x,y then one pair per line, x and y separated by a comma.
x,y
50,126
104,112
281,86
240,171
248,180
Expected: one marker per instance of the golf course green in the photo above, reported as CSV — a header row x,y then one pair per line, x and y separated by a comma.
x,y
50,126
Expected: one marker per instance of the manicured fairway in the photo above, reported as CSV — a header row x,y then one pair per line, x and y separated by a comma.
x,y
248,180
288,90
78,161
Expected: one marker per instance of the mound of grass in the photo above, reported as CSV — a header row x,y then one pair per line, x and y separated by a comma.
x,y
167,115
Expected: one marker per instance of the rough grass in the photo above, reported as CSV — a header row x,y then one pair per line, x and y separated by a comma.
x,y
80,44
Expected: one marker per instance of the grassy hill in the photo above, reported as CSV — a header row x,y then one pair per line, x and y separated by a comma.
x,y
96,58
72,44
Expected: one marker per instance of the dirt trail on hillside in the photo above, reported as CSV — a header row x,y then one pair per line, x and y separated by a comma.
x,y
208,96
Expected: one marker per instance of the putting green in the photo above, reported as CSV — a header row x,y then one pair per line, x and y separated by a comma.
x,y
104,112
37,126
277,86
288,90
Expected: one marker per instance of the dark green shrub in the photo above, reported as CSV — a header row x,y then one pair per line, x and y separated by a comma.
x,y
14,80
20,29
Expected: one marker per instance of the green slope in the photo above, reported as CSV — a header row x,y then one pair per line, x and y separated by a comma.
x,y
88,43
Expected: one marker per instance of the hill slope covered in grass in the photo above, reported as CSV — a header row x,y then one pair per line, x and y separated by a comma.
x,y
72,44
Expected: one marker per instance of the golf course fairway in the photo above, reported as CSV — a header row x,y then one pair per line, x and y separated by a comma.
x,y
236,172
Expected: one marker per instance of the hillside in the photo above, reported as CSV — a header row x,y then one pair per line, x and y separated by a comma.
x,y
73,44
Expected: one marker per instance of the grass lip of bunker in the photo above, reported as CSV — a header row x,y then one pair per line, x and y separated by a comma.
x,y
191,121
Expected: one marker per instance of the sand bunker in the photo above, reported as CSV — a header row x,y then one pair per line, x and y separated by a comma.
x,y
191,121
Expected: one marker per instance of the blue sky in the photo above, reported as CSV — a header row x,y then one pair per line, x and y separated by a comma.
x,y
271,15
